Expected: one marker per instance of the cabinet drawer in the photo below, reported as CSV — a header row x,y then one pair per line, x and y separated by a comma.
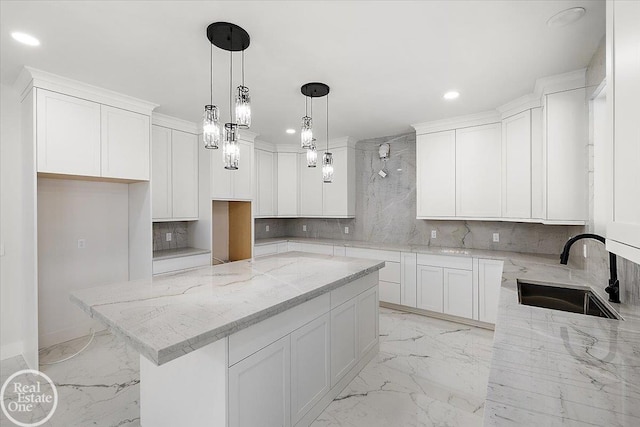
x,y
390,272
262,250
461,263
382,255
390,292
182,263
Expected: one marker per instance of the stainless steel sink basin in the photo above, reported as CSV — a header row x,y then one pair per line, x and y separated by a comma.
x,y
575,300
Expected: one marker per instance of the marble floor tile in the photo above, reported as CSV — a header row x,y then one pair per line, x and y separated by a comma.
x,y
428,372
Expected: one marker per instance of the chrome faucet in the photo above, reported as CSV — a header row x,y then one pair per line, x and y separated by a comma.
x,y
614,285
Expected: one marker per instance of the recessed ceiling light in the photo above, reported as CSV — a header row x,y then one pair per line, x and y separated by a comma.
x,y
25,39
451,95
291,131
566,17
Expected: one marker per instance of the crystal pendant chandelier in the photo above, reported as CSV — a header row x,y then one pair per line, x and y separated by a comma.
x,y
308,142
327,157
231,38
306,132
312,155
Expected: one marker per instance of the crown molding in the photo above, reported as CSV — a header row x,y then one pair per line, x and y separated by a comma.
x,y
560,82
458,122
33,78
163,120
246,135
519,105
264,145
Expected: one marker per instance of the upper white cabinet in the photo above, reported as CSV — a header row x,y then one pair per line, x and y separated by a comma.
x,y
623,69
288,184
311,188
516,166
436,169
174,177
234,184
338,198
68,134
566,155
75,136
265,175
125,144
478,166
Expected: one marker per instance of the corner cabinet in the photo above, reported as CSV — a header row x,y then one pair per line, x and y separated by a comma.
x,y
78,137
234,184
623,92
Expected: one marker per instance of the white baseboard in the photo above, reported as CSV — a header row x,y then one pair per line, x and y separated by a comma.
x,y
10,350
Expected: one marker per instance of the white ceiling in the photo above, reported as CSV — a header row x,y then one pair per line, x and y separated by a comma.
x,y
388,62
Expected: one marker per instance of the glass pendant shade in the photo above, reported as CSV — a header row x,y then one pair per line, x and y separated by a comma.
x,y
243,107
230,148
306,132
312,156
327,167
211,127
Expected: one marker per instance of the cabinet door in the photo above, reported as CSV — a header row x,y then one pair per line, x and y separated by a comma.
x,y
489,283
265,183
125,144
367,311
339,195
243,177
478,171
344,339
288,184
310,373
311,197
161,206
538,177
67,134
259,387
430,288
516,166
624,232
408,279
435,174
566,146
184,173
220,177
458,292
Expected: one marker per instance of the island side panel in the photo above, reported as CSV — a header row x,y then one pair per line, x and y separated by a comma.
x,y
188,391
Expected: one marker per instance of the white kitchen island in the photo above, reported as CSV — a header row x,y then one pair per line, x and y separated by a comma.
x,y
251,343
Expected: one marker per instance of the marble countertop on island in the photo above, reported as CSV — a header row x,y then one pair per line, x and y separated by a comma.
x,y
178,253
167,316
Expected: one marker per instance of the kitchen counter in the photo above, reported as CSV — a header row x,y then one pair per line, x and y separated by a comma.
x,y
178,253
168,316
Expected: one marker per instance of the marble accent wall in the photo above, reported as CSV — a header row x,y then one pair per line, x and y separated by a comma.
x,y
277,228
179,235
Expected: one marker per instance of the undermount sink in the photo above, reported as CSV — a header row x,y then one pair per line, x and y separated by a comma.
x,y
575,300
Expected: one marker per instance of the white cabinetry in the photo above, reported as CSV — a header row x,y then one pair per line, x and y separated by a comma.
x,y
458,292
436,172
79,137
489,282
367,321
265,183
259,387
516,166
234,184
566,156
67,134
125,144
344,339
174,174
338,197
390,274
311,188
478,166
288,184
310,369
430,288
623,39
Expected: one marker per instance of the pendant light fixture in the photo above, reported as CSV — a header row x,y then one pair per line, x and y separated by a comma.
x,y
327,157
231,38
210,121
310,91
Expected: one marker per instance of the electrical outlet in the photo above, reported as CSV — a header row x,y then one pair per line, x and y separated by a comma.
x,y
304,227
266,228
346,230
434,234
168,237
496,237
81,243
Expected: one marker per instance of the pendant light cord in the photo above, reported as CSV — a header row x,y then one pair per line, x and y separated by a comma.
x,y
230,84
243,66
327,122
211,72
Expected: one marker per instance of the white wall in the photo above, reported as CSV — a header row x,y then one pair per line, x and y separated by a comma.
x,y
68,211
10,224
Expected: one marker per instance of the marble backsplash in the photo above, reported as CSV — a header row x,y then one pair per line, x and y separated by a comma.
x,y
179,235
386,212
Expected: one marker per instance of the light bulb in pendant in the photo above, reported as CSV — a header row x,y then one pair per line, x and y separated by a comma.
x,y
312,156
327,167
211,127
306,132
230,148
243,107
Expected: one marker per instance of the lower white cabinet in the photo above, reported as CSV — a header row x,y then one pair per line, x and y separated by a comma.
x,y
430,288
489,282
259,387
316,248
344,339
310,372
367,321
168,265
390,292
458,292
